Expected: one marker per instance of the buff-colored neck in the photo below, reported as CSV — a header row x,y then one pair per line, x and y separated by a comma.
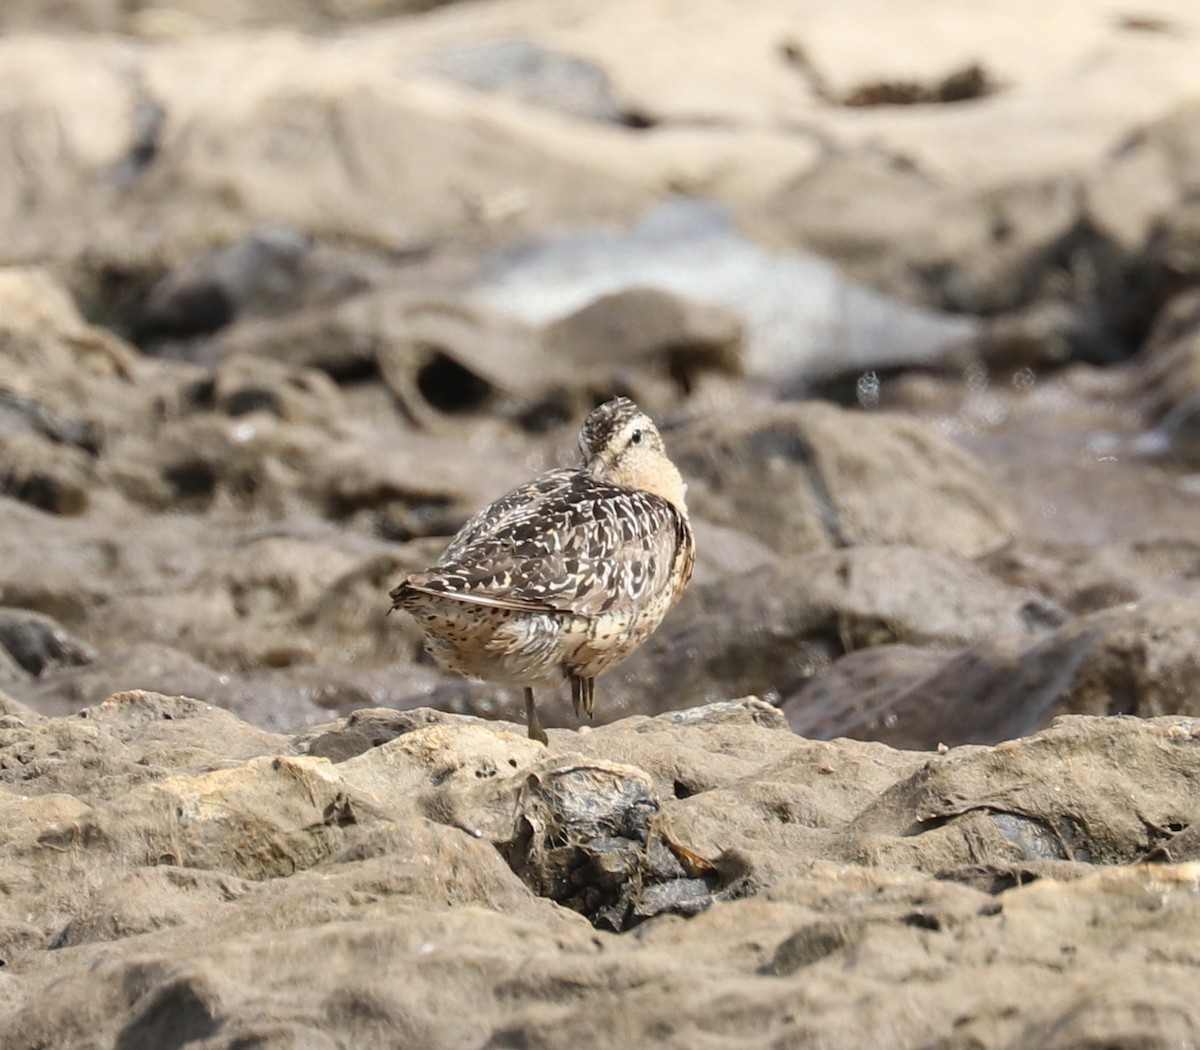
x,y
659,476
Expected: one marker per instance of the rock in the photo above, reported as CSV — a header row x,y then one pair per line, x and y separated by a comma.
x,y
924,816
1139,196
442,357
53,478
127,740
186,17
212,175
583,838
1130,660
723,551
65,380
977,861
249,297
532,75
38,643
293,681
446,357
980,251
1170,376
85,15
1101,248
879,693
257,434
723,742
1060,476
363,730
809,476
242,386
1015,176
786,623
331,338
801,321
464,776
10,708
621,337
261,273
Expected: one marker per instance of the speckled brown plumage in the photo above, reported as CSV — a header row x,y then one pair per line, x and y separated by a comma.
x,y
565,576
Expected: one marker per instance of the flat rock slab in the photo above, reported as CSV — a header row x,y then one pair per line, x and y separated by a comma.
x,y
244,891
1134,659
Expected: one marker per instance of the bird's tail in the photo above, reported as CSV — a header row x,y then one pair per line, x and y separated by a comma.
x,y
400,596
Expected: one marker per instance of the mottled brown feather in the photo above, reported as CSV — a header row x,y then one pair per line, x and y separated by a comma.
x,y
574,545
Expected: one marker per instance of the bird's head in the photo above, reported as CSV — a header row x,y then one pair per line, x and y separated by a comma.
x,y
621,445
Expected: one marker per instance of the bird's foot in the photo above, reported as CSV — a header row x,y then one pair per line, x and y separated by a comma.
x,y
536,732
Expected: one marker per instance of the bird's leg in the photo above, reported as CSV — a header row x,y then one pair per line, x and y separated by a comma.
x,y
576,692
536,732
589,694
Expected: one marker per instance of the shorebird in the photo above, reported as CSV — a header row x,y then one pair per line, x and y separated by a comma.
x,y
566,575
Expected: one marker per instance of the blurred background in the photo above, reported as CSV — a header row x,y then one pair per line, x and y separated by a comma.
x,y
289,288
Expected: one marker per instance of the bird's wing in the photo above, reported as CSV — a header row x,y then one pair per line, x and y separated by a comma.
x,y
576,546
494,517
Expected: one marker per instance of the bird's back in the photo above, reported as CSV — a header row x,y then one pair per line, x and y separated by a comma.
x,y
566,543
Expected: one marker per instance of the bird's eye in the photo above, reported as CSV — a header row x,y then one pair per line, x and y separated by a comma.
x,y
635,438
